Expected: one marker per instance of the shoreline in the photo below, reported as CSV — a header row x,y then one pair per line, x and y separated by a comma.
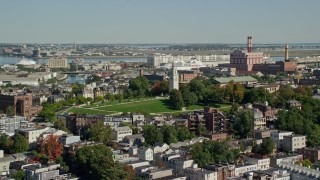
x,y
75,57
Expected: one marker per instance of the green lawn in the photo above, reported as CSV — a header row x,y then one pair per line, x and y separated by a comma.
x,y
88,111
150,106
97,104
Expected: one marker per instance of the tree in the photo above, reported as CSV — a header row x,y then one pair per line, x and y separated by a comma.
x,y
164,86
152,134
100,132
95,78
258,95
10,111
238,92
305,163
77,88
5,142
201,130
209,152
183,133
98,98
20,144
201,155
169,134
61,125
265,148
286,92
189,98
139,86
176,99
18,175
130,170
51,147
303,90
119,97
198,87
244,123
96,162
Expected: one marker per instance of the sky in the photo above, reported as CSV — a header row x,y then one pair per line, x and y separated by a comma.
x,y
159,21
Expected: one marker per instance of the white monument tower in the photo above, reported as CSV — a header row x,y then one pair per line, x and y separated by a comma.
x,y
174,79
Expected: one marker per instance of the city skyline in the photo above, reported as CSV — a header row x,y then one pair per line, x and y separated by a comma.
x,y
159,22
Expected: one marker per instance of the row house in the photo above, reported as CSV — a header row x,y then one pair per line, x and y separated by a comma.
x,y
199,173
277,136
262,163
134,140
223,171
79,123
285,158
259,120
269,113
313,154
294,142
118,133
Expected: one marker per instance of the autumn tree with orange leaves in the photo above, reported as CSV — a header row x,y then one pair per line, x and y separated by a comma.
x,y
51,147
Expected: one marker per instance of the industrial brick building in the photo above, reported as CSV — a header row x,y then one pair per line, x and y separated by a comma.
x,y
247,61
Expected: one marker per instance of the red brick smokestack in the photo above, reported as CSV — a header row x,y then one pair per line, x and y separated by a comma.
x,y
249,44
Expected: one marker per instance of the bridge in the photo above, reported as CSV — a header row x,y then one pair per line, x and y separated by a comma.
x,y
77,72
309,61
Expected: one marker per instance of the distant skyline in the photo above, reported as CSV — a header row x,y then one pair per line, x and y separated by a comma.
x,y
159,21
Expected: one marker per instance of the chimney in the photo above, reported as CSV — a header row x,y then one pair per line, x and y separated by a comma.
x,y
286,53
249,44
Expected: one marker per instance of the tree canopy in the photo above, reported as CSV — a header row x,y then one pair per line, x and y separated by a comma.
x,y
176,99
96,162
210,152
100,132
244,123
20,144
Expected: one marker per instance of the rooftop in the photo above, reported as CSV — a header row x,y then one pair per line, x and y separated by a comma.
x,y
235,79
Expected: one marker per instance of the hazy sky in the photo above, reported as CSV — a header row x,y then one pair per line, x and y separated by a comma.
x,y
159,21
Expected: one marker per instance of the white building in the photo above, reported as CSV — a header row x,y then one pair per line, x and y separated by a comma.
x,y
277,136
180,164
159,59
160,147
259,119
299,172
54,132
293,142
174,79
145,153
32,134
262,164
200,174
8,125
118,133
57,63
241,169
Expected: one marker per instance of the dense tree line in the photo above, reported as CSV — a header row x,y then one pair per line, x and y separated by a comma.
x,y
210,152
201,91
265,148
244,123
96,162
16,144
166,134
49,110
